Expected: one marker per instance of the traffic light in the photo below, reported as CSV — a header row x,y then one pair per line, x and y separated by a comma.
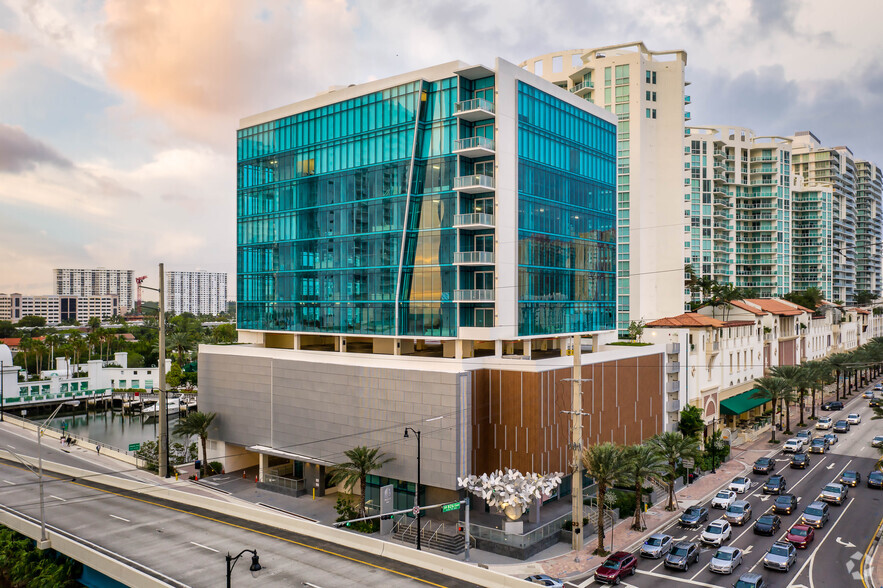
x,y
385,517
577,530
460,528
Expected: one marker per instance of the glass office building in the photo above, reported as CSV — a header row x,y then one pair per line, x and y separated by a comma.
x,y
450,198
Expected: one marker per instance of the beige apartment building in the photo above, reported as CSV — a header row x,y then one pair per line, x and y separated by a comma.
x,y
645,89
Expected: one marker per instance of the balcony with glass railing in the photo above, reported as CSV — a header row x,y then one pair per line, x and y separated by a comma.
x,y
473,295
474,147
473,258
583,88
474,220
474,183
474,109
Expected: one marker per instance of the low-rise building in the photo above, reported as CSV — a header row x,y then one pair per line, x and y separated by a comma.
x,y
58,309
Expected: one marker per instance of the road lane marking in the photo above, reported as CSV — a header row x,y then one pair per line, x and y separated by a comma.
x,y
57,497
265,534
204,546
121,518
679,580
865,555
10,446
10,483
819,545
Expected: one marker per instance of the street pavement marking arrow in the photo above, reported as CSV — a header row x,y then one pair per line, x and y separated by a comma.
x,y
830,467
681,538
845,544
748,549
764,498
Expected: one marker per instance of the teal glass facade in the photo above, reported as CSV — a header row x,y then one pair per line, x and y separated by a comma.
x,y
322,202
566,217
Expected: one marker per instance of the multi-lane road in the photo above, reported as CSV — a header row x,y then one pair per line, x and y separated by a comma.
x,y
832,559
185,546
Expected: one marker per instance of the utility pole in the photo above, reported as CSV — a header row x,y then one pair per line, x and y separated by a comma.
x,y
576,441
161,364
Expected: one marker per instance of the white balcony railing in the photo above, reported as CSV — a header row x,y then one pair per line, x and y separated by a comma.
x,y
473,219
474,295
477,145
474,183
474,109
474,257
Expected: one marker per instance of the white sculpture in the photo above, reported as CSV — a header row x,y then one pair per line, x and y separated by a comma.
x,y
511,492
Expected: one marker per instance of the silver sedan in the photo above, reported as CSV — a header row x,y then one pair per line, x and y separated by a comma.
x,y
656,546
726,560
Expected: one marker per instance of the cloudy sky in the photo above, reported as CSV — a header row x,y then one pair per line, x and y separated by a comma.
x,y
118,117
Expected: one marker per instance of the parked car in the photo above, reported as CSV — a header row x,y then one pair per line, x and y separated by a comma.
x,y
800,460
615,567
683,553
723,499
775,485
725,560
819,445
785,503
751,580
875,479
739,512
841,426
716,532
877,441
834,493
832,405
781,556
740,485
815,515
832,439
544,580
854,418
792,446
657,545
850,478
767,524
694,516
824,423
800,536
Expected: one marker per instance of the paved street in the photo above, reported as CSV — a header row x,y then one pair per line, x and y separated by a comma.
x,y
186,544
831,560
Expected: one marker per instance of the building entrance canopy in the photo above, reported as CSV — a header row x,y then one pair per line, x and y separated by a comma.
x,y
742,403
288,455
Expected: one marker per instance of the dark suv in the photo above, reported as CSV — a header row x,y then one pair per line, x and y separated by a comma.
x,y
775,485
764,465
833,405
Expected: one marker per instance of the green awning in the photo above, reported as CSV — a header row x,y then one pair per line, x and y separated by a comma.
x,y
742,403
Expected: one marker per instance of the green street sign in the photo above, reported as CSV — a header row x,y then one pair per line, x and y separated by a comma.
x,y
134,446
450,506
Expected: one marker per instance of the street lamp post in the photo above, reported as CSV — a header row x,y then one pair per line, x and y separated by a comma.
x,y
43,538
2,377
416,494
231,561
713,429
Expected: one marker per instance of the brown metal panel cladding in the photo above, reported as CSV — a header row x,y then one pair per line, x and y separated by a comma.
x,y
627,399
482,429
651,401
608,422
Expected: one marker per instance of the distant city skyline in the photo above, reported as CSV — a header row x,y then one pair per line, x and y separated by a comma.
x,y
117,119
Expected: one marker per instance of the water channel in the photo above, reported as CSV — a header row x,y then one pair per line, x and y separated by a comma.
x,y
112,428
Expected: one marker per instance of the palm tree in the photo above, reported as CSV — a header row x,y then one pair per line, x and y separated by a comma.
x,y
196,423
180,342
672,447
25,346
774,390
798,378
362,461
839,362
94,324
818,375
644,464
607,465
